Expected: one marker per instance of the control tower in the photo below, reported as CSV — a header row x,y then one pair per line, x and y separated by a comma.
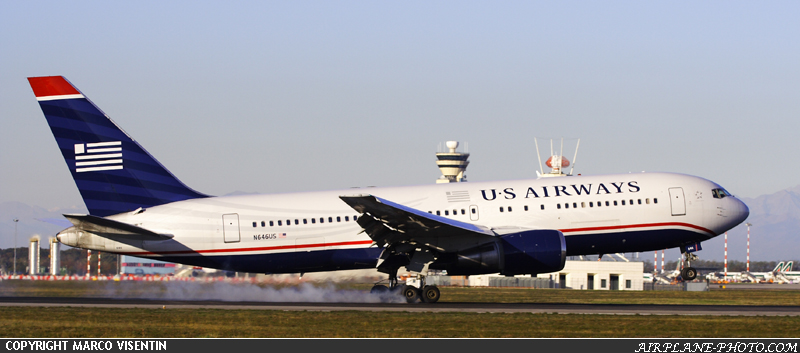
x,y
452,164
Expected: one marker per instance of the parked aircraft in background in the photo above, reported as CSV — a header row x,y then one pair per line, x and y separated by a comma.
x,y
761,276
137,207
784,274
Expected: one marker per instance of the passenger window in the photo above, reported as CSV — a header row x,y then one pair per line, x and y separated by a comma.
x,y
330,219
254,225
438,213
313,221
608,203
271,224
623,202
640,201
583,204
347,218
338,219
509,208
574,205
296,221
474,211
615,203
655,200
647,201
463,211
566,205
526,207
501,208
279,223
558,206
263,224
305,221
322,220
446,212
591,204
542,207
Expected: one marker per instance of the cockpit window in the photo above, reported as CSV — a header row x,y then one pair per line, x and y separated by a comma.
x,y
720,193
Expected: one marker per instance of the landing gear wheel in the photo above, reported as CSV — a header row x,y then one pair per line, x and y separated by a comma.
x,y
430,294
411,293
689,274
379,289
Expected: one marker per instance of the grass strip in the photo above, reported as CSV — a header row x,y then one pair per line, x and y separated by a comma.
x,y
72,322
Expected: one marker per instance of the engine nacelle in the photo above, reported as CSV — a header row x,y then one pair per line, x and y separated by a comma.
x,y
528,252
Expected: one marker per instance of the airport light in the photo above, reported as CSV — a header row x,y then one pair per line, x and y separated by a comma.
x,y
748,245
16,220
726,254
88,263
655,262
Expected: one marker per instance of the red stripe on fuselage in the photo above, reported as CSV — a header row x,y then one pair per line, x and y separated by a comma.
x,y
634,226
267,248
51,86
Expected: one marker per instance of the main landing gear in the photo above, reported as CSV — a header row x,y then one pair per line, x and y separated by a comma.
x,y
413,290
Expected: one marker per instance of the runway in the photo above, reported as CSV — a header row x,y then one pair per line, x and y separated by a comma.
x,y
441,307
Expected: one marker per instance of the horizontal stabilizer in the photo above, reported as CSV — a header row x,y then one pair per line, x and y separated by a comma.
x,y
63,223
110,228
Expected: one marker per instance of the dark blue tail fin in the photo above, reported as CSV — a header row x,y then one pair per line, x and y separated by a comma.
x,y
113,173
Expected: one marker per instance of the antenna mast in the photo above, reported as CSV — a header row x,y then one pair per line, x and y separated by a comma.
x,y
557,162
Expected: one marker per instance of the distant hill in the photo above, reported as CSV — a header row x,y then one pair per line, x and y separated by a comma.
x,y
29,223
775,233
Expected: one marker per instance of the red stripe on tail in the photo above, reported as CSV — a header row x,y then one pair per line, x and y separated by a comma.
x,y
51,86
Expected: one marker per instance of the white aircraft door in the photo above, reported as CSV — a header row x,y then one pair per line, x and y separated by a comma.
x,y
677,201
473,212
230,227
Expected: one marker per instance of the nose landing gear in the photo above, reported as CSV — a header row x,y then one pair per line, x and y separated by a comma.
x,y
688,273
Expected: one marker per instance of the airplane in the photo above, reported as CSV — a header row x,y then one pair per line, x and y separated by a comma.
x,y
763,277
512,227
784,274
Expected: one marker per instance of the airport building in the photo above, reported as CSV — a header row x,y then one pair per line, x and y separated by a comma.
x,y
131,265
581,275
599,275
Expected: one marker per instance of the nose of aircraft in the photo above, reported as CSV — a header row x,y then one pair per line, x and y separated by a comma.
x,y
739,212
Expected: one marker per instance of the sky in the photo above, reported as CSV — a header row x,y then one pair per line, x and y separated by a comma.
x,y
284,96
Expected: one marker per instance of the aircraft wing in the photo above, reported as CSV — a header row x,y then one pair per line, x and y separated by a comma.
x,y
406,222
413,237
110,228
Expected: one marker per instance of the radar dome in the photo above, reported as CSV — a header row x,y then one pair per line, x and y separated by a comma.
x,y
564,162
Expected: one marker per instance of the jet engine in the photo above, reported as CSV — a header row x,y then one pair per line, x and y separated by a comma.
x,y
528,252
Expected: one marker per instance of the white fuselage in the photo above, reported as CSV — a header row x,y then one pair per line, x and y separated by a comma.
x,y
597,214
